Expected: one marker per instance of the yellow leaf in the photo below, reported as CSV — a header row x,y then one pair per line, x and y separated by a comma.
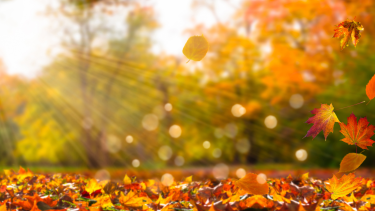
x,y
253,185
127,180
104,201
351,162
3,207
195,48
351,198
92,186
343,186
132,200
233,198
305,176
189,179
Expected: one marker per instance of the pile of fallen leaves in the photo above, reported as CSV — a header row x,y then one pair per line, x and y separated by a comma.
x,y
28,191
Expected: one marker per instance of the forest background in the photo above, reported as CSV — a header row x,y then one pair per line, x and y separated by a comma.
x,y
116,103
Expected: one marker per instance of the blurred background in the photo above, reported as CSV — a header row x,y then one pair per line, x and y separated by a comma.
x,y
102,85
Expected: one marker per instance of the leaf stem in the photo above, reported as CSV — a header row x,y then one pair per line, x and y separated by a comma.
x,y
351,105
188,61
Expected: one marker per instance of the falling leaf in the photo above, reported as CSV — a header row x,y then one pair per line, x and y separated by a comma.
x,y
348,29
251,185
351,162
343,186
324,119
370,88
195,48
357,133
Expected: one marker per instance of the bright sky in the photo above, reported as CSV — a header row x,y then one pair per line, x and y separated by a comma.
x,y
27,40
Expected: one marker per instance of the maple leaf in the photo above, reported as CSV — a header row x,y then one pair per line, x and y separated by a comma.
x,y
251,184
351,162
348,29
370,88
324,119
92,186
3,207
195,48
103,201
357,133
132,200
343,186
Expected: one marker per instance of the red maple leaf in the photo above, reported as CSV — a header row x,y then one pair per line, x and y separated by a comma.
x,y
357,133
324,119
348,29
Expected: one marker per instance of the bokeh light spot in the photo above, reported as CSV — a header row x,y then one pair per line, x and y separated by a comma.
x,y
238,110
165,152
231,130
136,163
301,154
270,122
216,153
168,107
150,122
179,161
206,144
220,171
261,178
240,173
113,144
175,131
129,139
167,179
243,145
296,101
102,174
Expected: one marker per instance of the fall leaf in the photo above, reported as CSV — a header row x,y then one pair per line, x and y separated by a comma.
x,y
127,180
251,184
357,133
3,207
370,88
324,119
92,186
132,200
258,202
103,201
348,29
351,162
343,186
195,48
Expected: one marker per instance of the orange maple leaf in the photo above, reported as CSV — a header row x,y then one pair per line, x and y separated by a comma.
x,y
343,186
348,29
357,133
324,119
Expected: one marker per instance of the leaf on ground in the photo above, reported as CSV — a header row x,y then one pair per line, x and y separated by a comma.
x,y
323,120
348,29
195,48
127,180
3,207
357,133
370,88
343,186
253,185
132,200
351,162
92,186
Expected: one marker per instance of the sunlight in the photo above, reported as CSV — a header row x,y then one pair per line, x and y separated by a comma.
x,y
240,173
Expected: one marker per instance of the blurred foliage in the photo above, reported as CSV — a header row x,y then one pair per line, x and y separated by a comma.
x,y
79,110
